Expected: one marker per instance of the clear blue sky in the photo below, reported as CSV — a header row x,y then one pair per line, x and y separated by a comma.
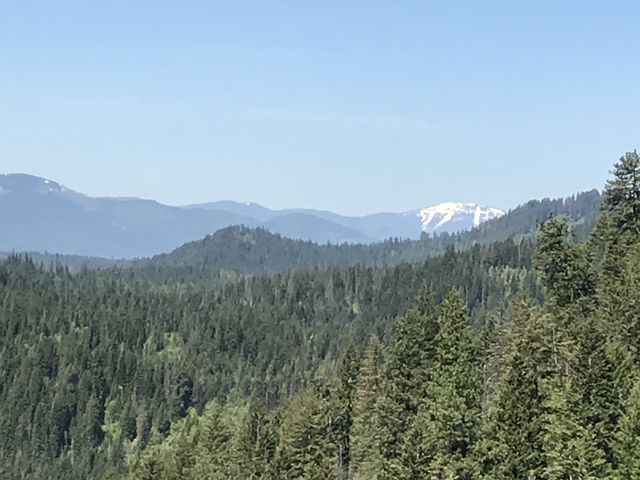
x,y
353,106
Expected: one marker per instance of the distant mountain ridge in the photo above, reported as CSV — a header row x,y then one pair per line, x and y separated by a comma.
x,y
449,217
256,251
41,215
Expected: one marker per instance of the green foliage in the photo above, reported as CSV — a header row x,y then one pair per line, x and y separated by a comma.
x,y
564,267
169,371
364,436
307,450
622,195
449,416
407,370
516,429
98,366
627,447
239,250
570,447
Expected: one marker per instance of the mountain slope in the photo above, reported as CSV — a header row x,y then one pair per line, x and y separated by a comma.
x,y
455,217
41,215
447,217
257,251
298,225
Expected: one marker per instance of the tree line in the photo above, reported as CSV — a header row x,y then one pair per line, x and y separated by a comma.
x,y
541,391
514,359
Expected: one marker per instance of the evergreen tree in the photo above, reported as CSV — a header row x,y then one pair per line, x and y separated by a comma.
x,y
565,267
619,224
514,450
364,439
217,455
407,371
627,447
257,444
104,372
570,448
449,417
621,199
348,376
307,447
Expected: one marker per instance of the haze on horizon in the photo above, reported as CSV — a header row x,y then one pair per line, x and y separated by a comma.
x,y
351,107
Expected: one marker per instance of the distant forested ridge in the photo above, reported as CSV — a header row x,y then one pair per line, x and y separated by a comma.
x,y
540,391
74,263
255,251
245,250
41,215
489,357
122,360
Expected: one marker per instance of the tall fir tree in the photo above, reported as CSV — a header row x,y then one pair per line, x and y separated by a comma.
x,y
307,449
408,365
217,454
565,267
364,439
513,449
449,417
348,376
570,447
627,447
621,199
619,222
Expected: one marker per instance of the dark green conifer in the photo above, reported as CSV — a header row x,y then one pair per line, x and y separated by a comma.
x,y
408,365
364,439
449,417
627,447
307,448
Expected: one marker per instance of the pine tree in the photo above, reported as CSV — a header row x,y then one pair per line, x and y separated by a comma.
x,y
158,463
348,375
514,450
627,447
579,410
307,447
257,444
619,302
216,457
406,373
597,382
565,268
619,223
420,454
449,417
364,435
570,448
622,195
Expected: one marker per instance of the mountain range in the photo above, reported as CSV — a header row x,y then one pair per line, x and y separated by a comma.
x,y
41,215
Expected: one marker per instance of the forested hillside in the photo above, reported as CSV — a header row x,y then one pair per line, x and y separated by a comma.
x,y
74,263
42,215
116,362
541,392
254,251
512,359
245,250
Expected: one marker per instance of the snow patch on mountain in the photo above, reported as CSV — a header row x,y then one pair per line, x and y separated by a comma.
x,y
23,183
454,217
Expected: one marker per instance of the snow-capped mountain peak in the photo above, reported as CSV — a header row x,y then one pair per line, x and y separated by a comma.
x,y
454,217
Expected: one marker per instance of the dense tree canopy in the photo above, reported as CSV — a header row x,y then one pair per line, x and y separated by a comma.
x,y
516,359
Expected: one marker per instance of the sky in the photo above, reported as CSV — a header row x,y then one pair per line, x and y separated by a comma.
x,y
352,106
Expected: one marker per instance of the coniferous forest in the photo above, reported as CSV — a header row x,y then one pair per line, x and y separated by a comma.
x,y
497,354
